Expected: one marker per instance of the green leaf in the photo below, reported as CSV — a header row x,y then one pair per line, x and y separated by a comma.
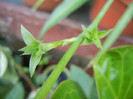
x,y
114,74
62,11
68,90
11,76
3,62
27,36
17,92
102,34
86,82
34,60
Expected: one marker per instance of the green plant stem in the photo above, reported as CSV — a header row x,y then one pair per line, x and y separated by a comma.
x,y
51,45
63,42
43,92
101,14
122,23
37,4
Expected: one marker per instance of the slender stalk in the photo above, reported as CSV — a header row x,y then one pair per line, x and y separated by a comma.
x,y
48,46
59,43
22,73
101,14
43,92
37,4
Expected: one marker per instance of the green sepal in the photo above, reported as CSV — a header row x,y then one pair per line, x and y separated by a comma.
x,y
29,49
93,36
87,41
27,36
102,34
34,60
40,50
97,42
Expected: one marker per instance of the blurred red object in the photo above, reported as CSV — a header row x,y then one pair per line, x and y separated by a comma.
x,y
47,5
113,14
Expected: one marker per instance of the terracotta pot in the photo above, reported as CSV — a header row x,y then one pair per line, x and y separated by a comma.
x,y
113,15
48,5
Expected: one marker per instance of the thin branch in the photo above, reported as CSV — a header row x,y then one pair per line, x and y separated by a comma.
x,y
23,74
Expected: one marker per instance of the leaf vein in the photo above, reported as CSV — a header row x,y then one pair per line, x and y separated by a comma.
x,y
109,85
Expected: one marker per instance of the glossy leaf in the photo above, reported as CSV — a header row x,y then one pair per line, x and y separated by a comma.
x,y
27,37
3,63
68,90
86,82
114,74
17,92
62,11
34,60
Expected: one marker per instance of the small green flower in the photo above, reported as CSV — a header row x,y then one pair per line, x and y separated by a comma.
x,y
37,48
93,36
33,47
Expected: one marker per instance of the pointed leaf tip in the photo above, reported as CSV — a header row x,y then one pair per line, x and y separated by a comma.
x,y
34,60
83,27
27,36
97,42
102,34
